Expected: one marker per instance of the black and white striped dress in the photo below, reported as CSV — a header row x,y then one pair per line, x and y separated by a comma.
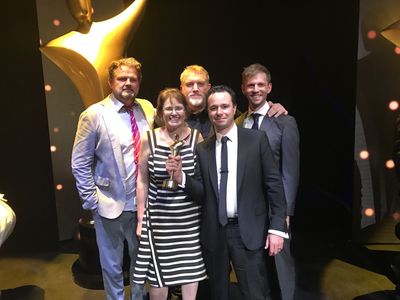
x,y
169,250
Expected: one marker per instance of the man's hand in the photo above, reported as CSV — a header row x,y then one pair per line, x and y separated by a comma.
x,y
174,167
276,109
274,243
139,229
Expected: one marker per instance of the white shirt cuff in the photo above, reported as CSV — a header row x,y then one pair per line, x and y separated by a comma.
x,y
285,235
183,184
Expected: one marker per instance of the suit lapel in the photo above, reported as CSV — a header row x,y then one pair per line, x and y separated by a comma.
x,y
265,124
242,157
212,164
240,120
109,117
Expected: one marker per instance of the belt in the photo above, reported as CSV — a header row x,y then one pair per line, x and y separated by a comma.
x,y
233,220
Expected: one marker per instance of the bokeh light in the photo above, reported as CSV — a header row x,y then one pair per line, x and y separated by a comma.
x,y
56,22
56,130
53,148
59,187
372,34
397,50
48,87
369,212
390,164
393,105
364,154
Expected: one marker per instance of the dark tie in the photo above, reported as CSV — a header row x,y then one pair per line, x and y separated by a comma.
x,y
255,116
223,219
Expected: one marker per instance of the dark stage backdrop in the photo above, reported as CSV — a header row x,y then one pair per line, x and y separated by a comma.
x,y
25,165
310,47
376,200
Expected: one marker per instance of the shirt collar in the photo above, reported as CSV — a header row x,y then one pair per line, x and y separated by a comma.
x,y
262,110
118,105
231,134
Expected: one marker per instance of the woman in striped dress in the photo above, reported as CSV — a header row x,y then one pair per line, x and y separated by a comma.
x,y
168,220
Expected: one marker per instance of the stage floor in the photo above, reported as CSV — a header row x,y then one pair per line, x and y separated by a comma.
x,y
329,271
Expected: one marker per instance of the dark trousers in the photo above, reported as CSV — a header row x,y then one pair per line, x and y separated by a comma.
x,y
249,266
285,269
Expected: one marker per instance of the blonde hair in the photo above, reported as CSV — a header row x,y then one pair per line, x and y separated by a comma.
x,y
196,69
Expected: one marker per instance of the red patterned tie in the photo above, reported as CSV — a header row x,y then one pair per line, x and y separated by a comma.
x,y
135,136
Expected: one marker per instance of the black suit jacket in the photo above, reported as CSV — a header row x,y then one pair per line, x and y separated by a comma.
x,y
258,182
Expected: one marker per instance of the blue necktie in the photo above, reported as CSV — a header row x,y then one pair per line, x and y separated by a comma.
x,y
255,117
223,219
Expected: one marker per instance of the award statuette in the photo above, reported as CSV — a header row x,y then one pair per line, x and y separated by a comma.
x,y
176,147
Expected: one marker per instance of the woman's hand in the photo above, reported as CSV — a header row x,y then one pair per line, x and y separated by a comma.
x,y
174,167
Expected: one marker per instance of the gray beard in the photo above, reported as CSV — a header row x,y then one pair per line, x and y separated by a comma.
x,y
127,94
196,102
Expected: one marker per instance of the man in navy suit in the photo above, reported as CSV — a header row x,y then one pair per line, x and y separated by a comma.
x,y
239,230
105,168
283,137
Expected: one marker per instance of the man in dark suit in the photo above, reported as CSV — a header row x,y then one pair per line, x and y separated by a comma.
x,y
283,137
239,229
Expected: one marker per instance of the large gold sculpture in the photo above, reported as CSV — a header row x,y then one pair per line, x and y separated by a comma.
x,y
85,54
392,33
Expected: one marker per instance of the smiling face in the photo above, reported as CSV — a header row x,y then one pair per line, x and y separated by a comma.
x,y
125,84
221,111
173,114
172,109
256,89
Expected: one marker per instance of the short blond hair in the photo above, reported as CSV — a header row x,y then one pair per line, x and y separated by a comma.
x,y
196,69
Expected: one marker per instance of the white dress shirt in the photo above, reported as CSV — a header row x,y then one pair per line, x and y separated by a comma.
x,y
124,133
232,147
248,122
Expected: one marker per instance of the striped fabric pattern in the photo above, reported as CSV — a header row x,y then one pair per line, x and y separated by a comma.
x,y
135,136
169,251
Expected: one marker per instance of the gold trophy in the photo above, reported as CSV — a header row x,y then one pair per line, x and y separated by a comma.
x,y
176,147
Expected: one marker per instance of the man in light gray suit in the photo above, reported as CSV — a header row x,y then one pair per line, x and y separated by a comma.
x,y
283,137
104,163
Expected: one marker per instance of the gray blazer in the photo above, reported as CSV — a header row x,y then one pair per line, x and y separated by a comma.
x,y
284,139
97,161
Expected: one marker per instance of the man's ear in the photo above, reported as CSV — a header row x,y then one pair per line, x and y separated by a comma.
x,y
269,89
